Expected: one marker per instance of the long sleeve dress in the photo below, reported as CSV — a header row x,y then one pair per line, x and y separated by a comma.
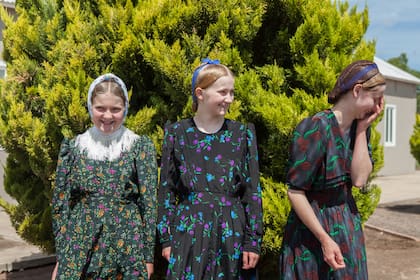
x,y
209,200
320,164
104,206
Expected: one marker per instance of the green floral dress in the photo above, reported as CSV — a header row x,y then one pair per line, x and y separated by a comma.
x,y
104,206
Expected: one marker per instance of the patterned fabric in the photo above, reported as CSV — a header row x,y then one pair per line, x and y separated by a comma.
x,y
319,164
209,200
104,211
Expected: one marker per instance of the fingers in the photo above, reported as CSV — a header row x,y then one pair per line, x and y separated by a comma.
x,y
150,269
54,273
249,260
166,252
332,255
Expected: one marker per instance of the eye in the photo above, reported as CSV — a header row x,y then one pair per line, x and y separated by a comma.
x,y
116,110
226,92
99,109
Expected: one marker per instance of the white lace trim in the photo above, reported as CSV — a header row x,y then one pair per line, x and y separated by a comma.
x,y
100,146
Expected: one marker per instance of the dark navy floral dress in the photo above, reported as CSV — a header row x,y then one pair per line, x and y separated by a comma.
x,y
209,200
104,209
320,164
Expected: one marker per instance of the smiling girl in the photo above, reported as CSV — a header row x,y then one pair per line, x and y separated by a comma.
x,y
210,213
104,200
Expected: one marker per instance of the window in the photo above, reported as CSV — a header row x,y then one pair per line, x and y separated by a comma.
x,y
390,122
3,71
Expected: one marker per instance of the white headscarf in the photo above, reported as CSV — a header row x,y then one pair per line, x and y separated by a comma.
x,y
109,77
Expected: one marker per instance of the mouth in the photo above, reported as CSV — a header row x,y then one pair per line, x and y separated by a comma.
x,y
369,113
107,126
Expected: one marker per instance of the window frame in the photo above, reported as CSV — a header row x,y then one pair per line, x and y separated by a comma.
x,y
390,125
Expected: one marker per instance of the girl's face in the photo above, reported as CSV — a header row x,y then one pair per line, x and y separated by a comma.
x,y
107,112
369,101
216,99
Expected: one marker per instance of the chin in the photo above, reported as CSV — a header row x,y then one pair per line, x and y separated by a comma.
x,y
107,130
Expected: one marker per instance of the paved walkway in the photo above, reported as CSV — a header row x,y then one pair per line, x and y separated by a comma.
x,y
399,187
398,212
15,253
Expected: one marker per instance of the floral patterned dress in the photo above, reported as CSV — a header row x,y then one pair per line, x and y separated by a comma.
x,y
209,200
104,208
320,164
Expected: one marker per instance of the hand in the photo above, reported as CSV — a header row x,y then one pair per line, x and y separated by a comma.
x,y
149,267
249,260
166,253
368,119
332,254
54,273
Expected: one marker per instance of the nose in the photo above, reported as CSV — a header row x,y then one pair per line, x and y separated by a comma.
x,y
229,98
107,114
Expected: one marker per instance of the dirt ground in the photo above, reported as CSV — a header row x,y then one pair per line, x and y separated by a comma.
x,y
391,257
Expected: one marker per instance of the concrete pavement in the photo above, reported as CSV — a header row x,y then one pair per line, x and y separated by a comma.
x,y
399,187
15,253
398,212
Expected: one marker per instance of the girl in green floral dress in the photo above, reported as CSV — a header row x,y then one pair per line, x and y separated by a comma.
x,y
104,200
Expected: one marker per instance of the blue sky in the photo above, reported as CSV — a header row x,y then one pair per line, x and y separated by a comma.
x,y
395,25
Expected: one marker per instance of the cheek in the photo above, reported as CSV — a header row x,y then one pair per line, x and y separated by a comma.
x,y
120,116
368,102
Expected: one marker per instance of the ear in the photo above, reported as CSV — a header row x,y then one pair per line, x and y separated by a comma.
x,y
356,90
199,93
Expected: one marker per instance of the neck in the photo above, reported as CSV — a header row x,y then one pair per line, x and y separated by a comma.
x,y
208,124
106,139
344,116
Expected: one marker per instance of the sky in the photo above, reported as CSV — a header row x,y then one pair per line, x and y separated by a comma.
x,y
395,25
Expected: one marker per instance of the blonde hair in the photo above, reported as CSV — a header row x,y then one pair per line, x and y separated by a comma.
x,y
362,72
208,74
111,87
107,83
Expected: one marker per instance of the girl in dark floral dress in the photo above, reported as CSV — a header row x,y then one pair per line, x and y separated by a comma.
x,y
210,213
330,153
104,200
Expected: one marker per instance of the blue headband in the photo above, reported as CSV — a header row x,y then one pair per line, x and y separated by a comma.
x,y
109,77
358,76
204,61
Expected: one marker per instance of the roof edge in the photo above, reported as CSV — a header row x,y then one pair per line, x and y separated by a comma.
x,y
394,73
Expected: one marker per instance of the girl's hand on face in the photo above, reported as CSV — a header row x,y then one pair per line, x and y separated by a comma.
x,y
364,123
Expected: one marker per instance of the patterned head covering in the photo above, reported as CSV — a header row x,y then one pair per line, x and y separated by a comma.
x,y
109,77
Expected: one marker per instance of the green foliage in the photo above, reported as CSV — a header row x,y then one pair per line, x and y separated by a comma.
x,y
415,140
276,209
366,200
286,56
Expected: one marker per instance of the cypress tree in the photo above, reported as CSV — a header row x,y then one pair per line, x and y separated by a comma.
x,y
286,56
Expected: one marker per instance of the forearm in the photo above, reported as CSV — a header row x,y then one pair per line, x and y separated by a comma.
x,y
361,165
304,211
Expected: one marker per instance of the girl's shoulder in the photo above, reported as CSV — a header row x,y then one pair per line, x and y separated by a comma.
x,y
322,118
240,126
